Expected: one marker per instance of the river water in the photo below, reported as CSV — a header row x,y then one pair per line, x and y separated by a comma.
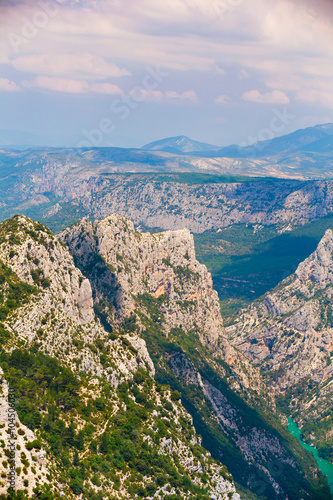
x,y
324,465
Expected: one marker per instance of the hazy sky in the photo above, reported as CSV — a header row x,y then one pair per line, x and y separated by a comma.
x,y
127,72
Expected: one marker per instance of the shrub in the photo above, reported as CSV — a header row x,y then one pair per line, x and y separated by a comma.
x,y
96,480
76,485
139,376
45,282
34,444
175,396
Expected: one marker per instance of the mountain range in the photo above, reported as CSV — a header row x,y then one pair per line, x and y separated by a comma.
x,y
132,376
206,192
304,154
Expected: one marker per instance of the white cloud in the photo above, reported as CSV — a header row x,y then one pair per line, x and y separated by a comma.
x,y
84,65
142,94
81,86
285,81
188,95
8,86
222,99
71,86
154,95
274,97
58,84
168,95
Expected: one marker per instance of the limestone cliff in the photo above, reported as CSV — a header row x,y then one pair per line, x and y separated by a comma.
x,y
167,204
159,264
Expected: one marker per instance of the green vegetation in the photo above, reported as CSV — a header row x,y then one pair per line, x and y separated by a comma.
x,y
42,383
13,294
245,263
191,178
316,431
318,434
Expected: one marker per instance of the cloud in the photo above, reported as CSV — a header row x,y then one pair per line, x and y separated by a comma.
x,y
222,99
286,81
242,74
274,97
308,90
58,84
71,86
154,95
84,65
8,86
188,95
284,46
105,88
169,95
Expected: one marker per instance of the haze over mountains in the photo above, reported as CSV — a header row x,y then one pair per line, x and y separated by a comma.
x,y
179,144
304,154
317,139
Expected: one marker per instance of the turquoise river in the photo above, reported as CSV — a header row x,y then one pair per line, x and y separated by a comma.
x,y
325,466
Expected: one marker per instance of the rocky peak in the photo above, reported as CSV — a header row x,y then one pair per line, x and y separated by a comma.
x,y
49,303
161,264
38,258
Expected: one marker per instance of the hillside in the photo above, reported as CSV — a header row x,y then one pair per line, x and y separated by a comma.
x,y
288,334
90,420
317,139
173,201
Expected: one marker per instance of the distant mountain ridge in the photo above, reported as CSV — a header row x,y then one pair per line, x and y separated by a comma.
x,y
317,139
179,144
39,182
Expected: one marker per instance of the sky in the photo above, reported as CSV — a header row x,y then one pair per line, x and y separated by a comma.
x,y
127,72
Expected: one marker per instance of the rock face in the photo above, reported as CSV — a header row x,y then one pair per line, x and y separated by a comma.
x,y
125,267
289,334
319,266
200,207
62,305
151,284
89,419
160,264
